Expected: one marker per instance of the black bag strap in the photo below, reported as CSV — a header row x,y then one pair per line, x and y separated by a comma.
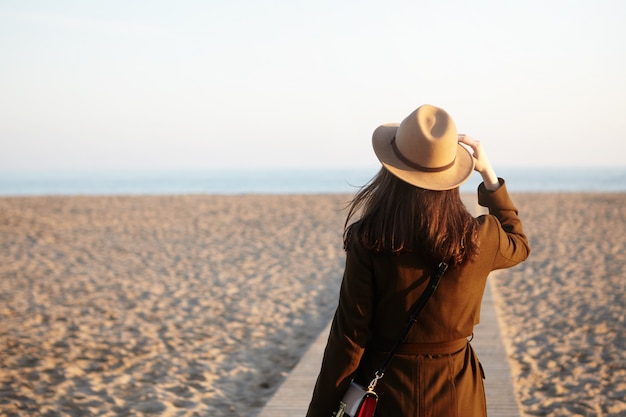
x,y
435,278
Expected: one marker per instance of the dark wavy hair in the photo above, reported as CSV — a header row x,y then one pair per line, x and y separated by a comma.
x,y
396,216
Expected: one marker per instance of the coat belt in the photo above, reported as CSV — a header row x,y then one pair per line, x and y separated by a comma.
x,y
434,348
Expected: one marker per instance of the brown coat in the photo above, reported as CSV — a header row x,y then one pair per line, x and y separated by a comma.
x,y
376,296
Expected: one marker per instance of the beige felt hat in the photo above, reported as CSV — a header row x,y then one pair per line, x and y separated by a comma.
x,y
423,150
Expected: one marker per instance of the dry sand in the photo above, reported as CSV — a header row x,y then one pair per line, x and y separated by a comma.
x,y
199,305
563,311
187,305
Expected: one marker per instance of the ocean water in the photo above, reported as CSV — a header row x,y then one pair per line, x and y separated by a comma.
x,y
311,181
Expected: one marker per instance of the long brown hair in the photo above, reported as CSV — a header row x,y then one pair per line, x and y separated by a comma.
x,y
399,217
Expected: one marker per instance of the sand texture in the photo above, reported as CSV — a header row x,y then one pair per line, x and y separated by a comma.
x,y
199,305
174,306
563,311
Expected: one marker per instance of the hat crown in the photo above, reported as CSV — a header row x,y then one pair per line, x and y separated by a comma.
x,y
428,138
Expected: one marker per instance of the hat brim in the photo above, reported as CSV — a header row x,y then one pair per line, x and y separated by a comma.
x,y
451,178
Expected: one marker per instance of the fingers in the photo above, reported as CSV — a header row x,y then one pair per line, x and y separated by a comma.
x,y
472,144
482,163
463,138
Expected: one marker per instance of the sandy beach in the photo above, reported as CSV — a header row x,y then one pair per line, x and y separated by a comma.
x,y
200,305
562,312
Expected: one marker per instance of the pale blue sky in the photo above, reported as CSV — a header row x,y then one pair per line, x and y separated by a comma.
x,y
231,84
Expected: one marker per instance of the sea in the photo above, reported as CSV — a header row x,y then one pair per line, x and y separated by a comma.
x,y
283,181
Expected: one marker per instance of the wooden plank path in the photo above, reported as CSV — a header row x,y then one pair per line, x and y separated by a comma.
x,y
292,398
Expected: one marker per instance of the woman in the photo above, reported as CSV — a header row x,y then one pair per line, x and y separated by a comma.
x,y
411,219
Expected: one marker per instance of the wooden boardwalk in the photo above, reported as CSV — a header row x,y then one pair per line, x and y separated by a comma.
x,y
292,398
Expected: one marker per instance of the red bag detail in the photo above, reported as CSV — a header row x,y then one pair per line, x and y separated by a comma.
x,y
367,407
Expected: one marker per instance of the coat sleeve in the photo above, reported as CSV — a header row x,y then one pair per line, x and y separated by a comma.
x,y
504,224
349,333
